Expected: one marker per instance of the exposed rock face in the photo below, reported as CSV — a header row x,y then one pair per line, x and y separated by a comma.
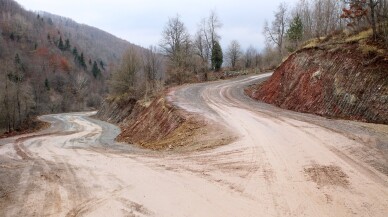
x,y
335,81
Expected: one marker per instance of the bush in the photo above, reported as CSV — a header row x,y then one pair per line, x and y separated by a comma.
x,y
93,101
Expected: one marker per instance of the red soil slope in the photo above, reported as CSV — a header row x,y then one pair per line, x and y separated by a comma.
x,y
334,80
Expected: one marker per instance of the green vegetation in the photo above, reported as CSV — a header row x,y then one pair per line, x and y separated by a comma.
x,y
295,32
95,70
217,57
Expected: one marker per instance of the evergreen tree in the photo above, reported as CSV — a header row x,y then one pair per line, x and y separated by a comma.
x,y
67,44
95,70
47,84
75,52
102,65
217,57
60,44
81,60
295,32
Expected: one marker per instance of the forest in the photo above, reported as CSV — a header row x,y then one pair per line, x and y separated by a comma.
x,y
51,64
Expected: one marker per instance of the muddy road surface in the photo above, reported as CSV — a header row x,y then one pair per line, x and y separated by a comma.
x,y
281,164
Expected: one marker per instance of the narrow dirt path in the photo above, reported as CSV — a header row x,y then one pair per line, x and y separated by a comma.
x,y
283,164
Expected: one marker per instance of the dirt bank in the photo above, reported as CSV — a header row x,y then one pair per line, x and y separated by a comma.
x,y
346,80
159,125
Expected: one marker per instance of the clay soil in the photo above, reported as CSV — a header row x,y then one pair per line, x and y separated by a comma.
x,y
331,80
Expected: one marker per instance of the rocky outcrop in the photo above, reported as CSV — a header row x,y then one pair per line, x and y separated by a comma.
x,y
336,80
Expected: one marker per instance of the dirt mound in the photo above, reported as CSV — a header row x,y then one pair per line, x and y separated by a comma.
x,y
348,80
160,126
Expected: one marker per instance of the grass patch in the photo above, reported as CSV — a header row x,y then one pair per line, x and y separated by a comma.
x,y
314,42
359,36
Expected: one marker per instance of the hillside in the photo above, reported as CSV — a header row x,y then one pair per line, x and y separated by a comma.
x,y
98,43
51,64
341,76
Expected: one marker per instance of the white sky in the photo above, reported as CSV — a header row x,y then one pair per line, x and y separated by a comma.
x,y
141,21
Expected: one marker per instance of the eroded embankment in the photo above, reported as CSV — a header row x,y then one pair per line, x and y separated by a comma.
x,y
161,126
335,80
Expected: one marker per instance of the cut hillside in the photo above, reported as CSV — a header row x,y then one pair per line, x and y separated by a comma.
x,y
341,76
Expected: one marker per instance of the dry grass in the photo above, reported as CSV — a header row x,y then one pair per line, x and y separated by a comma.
x,y
368,49
314,42
360,36
311,43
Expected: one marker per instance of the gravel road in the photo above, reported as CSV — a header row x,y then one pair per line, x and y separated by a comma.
x,y
282,164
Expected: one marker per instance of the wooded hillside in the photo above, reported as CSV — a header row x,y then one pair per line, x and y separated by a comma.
x,y
50,64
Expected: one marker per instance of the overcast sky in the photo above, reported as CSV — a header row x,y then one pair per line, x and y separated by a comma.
x,y
141,21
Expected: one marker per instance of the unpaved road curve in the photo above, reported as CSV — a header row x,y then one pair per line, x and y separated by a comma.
x,y
282,164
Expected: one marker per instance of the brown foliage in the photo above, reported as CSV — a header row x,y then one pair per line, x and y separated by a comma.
x,y
64,64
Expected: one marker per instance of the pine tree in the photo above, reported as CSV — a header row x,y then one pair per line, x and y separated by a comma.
x,y
217,57
95,70
75,52
81,60
60,44
47,84
102,65
295,32
67,44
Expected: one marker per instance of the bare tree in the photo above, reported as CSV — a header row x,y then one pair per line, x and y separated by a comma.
x,y
152,66
303,9
175,42
207,36
201,48
250,57
123,81
233,54
275,33
6,98
81,84
214,24
325,16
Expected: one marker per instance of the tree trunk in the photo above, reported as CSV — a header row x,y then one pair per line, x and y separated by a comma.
x,y
372,6
6,105
19,106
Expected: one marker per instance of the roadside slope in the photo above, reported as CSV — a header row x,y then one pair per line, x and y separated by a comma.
x,y
344,79
159,125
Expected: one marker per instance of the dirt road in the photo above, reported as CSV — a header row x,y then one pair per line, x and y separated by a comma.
x,y
282,164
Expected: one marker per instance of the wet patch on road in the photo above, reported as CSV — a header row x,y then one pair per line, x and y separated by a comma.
x,y
327,175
